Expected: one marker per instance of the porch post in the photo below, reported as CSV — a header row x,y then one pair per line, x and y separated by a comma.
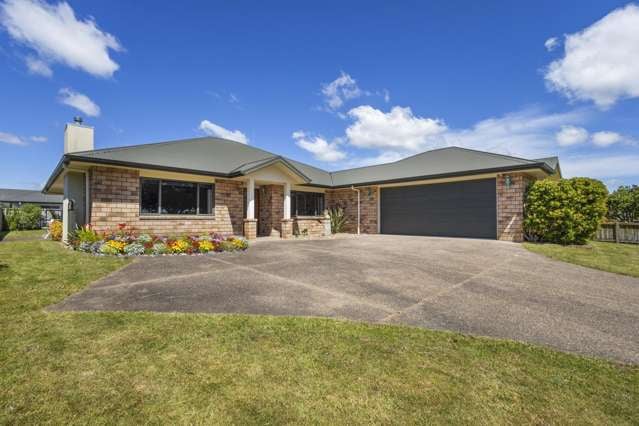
x,y
287,201
250,224
287,223
250,199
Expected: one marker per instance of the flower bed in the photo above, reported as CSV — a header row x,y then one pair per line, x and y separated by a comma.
x,y
125,242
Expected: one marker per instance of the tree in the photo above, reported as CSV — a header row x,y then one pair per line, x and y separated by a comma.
x,y
566,211
623,204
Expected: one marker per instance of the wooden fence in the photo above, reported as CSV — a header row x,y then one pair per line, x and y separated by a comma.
x,y
618,232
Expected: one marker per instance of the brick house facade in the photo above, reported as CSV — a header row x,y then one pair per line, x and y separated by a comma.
x,y
115,199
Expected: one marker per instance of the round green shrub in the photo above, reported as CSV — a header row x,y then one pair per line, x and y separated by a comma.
x,y
565,211
26,217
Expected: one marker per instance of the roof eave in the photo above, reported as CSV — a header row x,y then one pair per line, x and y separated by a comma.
x,y
542,166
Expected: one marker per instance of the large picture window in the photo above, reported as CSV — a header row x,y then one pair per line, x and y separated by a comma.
x,y
307,203
170,197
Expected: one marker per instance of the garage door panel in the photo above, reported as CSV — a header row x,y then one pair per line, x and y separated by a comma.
x,y
456,209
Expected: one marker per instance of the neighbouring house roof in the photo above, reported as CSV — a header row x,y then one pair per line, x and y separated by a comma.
x,y
28,196
224,158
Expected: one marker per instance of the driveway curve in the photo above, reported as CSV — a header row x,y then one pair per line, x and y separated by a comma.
x,y
479,287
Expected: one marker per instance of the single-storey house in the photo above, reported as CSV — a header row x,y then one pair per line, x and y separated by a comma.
x,y
208,184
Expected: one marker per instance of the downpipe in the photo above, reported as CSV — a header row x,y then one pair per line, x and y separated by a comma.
x,y
358,208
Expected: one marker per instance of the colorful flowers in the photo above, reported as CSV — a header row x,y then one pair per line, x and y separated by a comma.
x,y
179,246
206,246
125,242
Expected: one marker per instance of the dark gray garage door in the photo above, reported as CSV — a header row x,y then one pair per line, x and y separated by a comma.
x,y
456,209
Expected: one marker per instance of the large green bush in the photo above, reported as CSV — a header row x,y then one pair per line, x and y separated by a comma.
x,y
565,211
623,204
26,217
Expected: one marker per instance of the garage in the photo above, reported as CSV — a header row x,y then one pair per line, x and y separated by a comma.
x,y
454,209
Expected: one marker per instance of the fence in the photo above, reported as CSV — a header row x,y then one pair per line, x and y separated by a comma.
x,y
618,232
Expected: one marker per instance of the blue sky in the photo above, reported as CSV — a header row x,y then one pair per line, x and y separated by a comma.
x,y
334,84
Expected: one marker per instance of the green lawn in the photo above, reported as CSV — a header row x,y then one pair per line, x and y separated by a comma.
x,y
129,368
22,235
611,257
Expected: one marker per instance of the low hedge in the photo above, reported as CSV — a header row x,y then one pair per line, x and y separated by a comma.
x,y
565,211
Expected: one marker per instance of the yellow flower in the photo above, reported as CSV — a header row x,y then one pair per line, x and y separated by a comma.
x,y
206,246
117,245
179,246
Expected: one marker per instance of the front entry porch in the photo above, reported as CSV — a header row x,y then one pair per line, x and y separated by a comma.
x,y
268,213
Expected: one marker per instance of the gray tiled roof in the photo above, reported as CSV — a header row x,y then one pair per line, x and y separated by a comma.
x,y
28,196
222,157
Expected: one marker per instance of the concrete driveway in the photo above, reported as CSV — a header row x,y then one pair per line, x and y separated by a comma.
x,y
487,288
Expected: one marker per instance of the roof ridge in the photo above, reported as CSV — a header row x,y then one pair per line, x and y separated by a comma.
x,y
494,154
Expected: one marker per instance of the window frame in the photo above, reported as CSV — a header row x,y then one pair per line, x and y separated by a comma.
x,y
159,188
295,204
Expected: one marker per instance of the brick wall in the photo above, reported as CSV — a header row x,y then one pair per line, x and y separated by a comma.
x,y
313,227
271,210
347,199
510,207
115,199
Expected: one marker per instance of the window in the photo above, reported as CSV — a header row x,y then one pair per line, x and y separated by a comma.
x,y
175,198
307,203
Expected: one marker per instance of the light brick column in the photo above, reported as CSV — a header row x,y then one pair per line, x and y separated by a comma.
x,y
510,206
287,228
250,229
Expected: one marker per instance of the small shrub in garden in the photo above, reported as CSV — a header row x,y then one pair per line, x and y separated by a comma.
x,y
566,211
86,234
55,230
159,248
144,238
134,249
338,219
26,217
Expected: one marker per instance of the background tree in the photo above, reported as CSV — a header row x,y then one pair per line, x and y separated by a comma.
x,y
623,204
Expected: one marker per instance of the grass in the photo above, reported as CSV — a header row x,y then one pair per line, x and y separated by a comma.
x,y
611,257
104,368
22,235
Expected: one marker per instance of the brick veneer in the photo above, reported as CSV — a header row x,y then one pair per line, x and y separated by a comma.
x,y
510,207
287,228
271,210
311,226
114,196
347,199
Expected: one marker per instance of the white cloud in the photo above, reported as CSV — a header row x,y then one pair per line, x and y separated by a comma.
x,y
604,139
11,139
321,149
571,135
340,90
39,139
601,63
551,43
601,167
396,129
79,101
58,36
213,129
38,66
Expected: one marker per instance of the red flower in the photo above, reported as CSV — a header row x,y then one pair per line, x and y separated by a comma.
x,y
121,226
